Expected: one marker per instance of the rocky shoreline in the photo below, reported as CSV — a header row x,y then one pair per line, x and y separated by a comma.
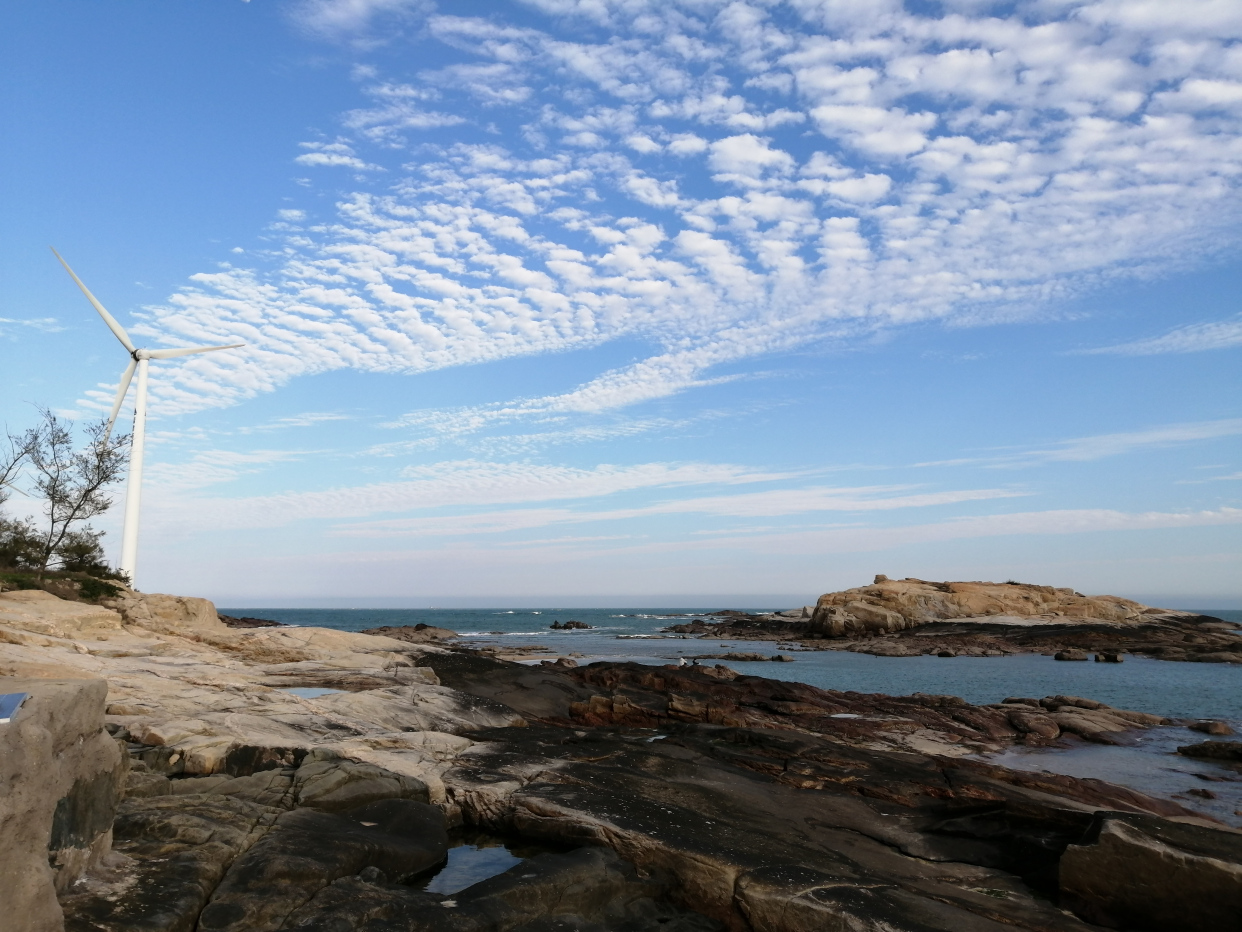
x,y
195,791
914,617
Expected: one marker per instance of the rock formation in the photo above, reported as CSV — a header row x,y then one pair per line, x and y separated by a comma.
x,y
684,799
909,617
415,634
60,778
890,605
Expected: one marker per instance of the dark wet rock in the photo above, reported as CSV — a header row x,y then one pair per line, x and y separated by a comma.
x,y
680,798
535,692
570,626
324,781
1223,656
1211,728
415,634
581,890
175,850
142,785
1070,655
1031,723
245,621
693,627
307,850
1109,656
247,759
1213,750
1136,872
789,831
334,784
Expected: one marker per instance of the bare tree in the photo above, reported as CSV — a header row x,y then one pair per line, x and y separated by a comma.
x,y
72,482
14,452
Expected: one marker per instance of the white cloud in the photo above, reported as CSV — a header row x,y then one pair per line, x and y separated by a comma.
x,y
43,324
1231,477
1193,338
863,190
447,484
1100,446
307,419
211,467
1094,448
875,130
687,144
332,155
969,168
863,539
771,503
747,158
348,19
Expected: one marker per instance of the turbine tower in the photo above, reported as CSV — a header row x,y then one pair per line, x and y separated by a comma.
x,y
138,360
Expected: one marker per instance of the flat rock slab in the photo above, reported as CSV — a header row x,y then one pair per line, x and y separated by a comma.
x,y
1140,873
308,850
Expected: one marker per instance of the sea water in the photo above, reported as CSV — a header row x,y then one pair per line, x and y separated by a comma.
x,y
1181,690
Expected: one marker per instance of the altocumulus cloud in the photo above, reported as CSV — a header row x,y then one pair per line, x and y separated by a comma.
x,y
725,180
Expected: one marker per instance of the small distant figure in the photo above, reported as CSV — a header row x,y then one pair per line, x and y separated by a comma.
x,y
695,662
682,662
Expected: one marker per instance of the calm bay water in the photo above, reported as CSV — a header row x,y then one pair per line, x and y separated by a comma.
x,y
1190,690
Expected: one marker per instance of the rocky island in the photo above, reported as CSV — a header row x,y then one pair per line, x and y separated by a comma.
x,y
169,773
910,617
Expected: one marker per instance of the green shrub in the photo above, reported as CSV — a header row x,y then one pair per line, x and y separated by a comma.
x,y
15,581
92,589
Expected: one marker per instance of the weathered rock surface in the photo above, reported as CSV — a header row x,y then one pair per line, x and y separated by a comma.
x,y
685,799
247,621
199,694
910,617
643,696
173,853
896,604
791,832
1214,750
415,634
1136,872
306,850
585,890
60,781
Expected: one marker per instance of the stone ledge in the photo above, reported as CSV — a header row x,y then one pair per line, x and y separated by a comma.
x,y
60,778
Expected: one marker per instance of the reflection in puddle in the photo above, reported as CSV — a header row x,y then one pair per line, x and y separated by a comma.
x,y
310,692
1152,766
475,856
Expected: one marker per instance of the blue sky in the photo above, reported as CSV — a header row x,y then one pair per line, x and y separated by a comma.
x,y
624,302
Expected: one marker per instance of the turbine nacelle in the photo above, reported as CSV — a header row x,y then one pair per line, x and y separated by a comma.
x,y
136,354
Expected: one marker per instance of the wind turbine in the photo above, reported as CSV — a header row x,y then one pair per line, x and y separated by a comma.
x,y
138,360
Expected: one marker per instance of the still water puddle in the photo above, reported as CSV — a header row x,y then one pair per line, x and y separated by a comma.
x,y
310,692
475,856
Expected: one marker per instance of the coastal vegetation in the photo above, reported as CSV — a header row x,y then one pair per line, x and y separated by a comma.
x,y
69,481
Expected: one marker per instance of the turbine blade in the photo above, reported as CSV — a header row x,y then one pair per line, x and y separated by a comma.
x,y
189,351
120,395
116,328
